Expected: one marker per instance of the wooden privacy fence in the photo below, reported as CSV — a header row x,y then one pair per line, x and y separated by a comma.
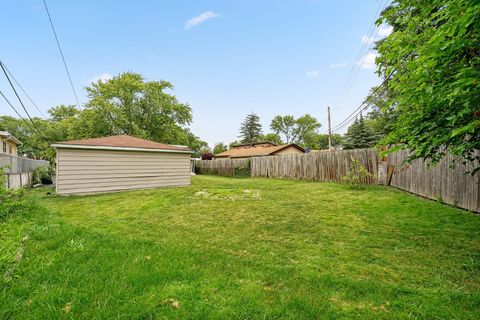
x,y
223,167
448,181
319,166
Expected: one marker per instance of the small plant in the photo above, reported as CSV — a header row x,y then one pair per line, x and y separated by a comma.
x,y
42,175
12,202
356,175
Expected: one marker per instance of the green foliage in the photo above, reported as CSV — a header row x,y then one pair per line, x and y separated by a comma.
x,y
382,116
251,129
359,135
42,175
126,104
434,56
13,202
357,175
301,131
320,141
219,147
284,125
271,137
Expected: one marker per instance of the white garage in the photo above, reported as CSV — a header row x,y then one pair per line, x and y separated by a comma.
x,y
119,163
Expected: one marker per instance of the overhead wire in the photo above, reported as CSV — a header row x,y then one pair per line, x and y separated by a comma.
x,y
16,111
23,90
361,56
20,100
61,53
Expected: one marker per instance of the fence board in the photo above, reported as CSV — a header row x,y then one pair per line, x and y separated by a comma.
x,y
320,166
224,167
449,180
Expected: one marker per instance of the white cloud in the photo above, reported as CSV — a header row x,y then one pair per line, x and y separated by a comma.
x,y
313,74
104,77
368,40
384,31
195,21
339,65
368,61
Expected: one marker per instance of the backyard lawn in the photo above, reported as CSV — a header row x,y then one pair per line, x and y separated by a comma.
x,y
228,248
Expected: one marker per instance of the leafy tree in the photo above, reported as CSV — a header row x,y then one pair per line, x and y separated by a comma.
x,y
320,141
301,131
305,130
127,104
382,116
271,137
284,125
432,61
63,112
359,135
251,129
233,144
219,147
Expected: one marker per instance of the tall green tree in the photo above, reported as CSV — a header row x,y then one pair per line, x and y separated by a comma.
x,y
359,135
284,125
305,130
300,131
271,137
432,63
219,147
251,129
126,104
320,141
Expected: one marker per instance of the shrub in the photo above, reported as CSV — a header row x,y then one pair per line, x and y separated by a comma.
x,y
357,175
42,175
13,202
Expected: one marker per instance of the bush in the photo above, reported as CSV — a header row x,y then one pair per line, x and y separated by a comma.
x,y
357,175
13,202
42,175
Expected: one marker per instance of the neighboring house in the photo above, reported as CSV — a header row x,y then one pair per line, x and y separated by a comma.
x,y
8,144
119,163
259,149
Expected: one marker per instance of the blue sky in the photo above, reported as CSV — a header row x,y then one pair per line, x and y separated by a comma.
x,y
225,58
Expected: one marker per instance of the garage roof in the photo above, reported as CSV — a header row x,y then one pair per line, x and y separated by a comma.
x,y
121,142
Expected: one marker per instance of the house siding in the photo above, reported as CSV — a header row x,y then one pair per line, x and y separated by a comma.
x,y
8,144
288,150
81,171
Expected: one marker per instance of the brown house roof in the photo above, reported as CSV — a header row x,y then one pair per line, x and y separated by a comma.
x,y
255,150
121,141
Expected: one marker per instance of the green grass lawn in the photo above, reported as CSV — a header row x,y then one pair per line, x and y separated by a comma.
x,y
228,248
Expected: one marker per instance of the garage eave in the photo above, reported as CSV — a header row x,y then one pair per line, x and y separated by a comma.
x,y
72,146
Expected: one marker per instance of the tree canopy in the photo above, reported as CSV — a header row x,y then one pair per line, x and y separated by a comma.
x,y
301,131
126,104
359,135
251,129
432,63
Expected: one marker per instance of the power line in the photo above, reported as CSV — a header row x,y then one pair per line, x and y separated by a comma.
x,y
359,109
61,53
23,90
20,100
361,56
16,111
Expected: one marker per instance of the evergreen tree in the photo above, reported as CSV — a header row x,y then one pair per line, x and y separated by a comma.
x,y
359,135
251,129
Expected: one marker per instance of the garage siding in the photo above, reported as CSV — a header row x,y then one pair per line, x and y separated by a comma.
x,y
81,171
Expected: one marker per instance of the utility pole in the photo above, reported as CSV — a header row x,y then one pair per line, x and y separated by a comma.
x,y
329,131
